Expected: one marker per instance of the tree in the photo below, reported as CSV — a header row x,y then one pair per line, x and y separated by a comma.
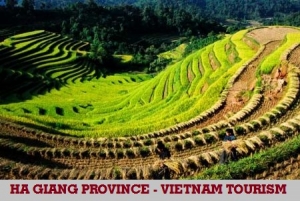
x,y
92,5
10,4
74,29
28,5
98,52
64,28
43,5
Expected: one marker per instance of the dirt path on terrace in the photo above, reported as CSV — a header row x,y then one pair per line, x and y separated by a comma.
x,y
265,35
271,37
212,61
191,74
246,81
294,57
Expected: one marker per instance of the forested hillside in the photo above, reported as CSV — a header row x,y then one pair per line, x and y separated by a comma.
x,y
139,32
143,29
238,9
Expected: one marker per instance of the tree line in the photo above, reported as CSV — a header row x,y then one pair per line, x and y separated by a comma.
x,y
235,9
142,27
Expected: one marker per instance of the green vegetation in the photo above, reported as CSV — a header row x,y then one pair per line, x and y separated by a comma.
x,y
117,105
250,166
78,101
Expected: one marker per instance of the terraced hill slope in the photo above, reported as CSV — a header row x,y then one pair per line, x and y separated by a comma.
x,y
229,83
119,105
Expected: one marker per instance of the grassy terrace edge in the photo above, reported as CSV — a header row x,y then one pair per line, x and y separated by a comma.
x,y
254,164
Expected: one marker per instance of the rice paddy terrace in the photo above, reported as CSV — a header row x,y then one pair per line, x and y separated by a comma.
x,y
61,119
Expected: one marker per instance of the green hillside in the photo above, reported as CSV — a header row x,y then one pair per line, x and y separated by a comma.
x,y
78,102
61,117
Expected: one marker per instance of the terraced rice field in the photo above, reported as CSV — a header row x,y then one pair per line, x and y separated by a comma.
x,y
231,83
